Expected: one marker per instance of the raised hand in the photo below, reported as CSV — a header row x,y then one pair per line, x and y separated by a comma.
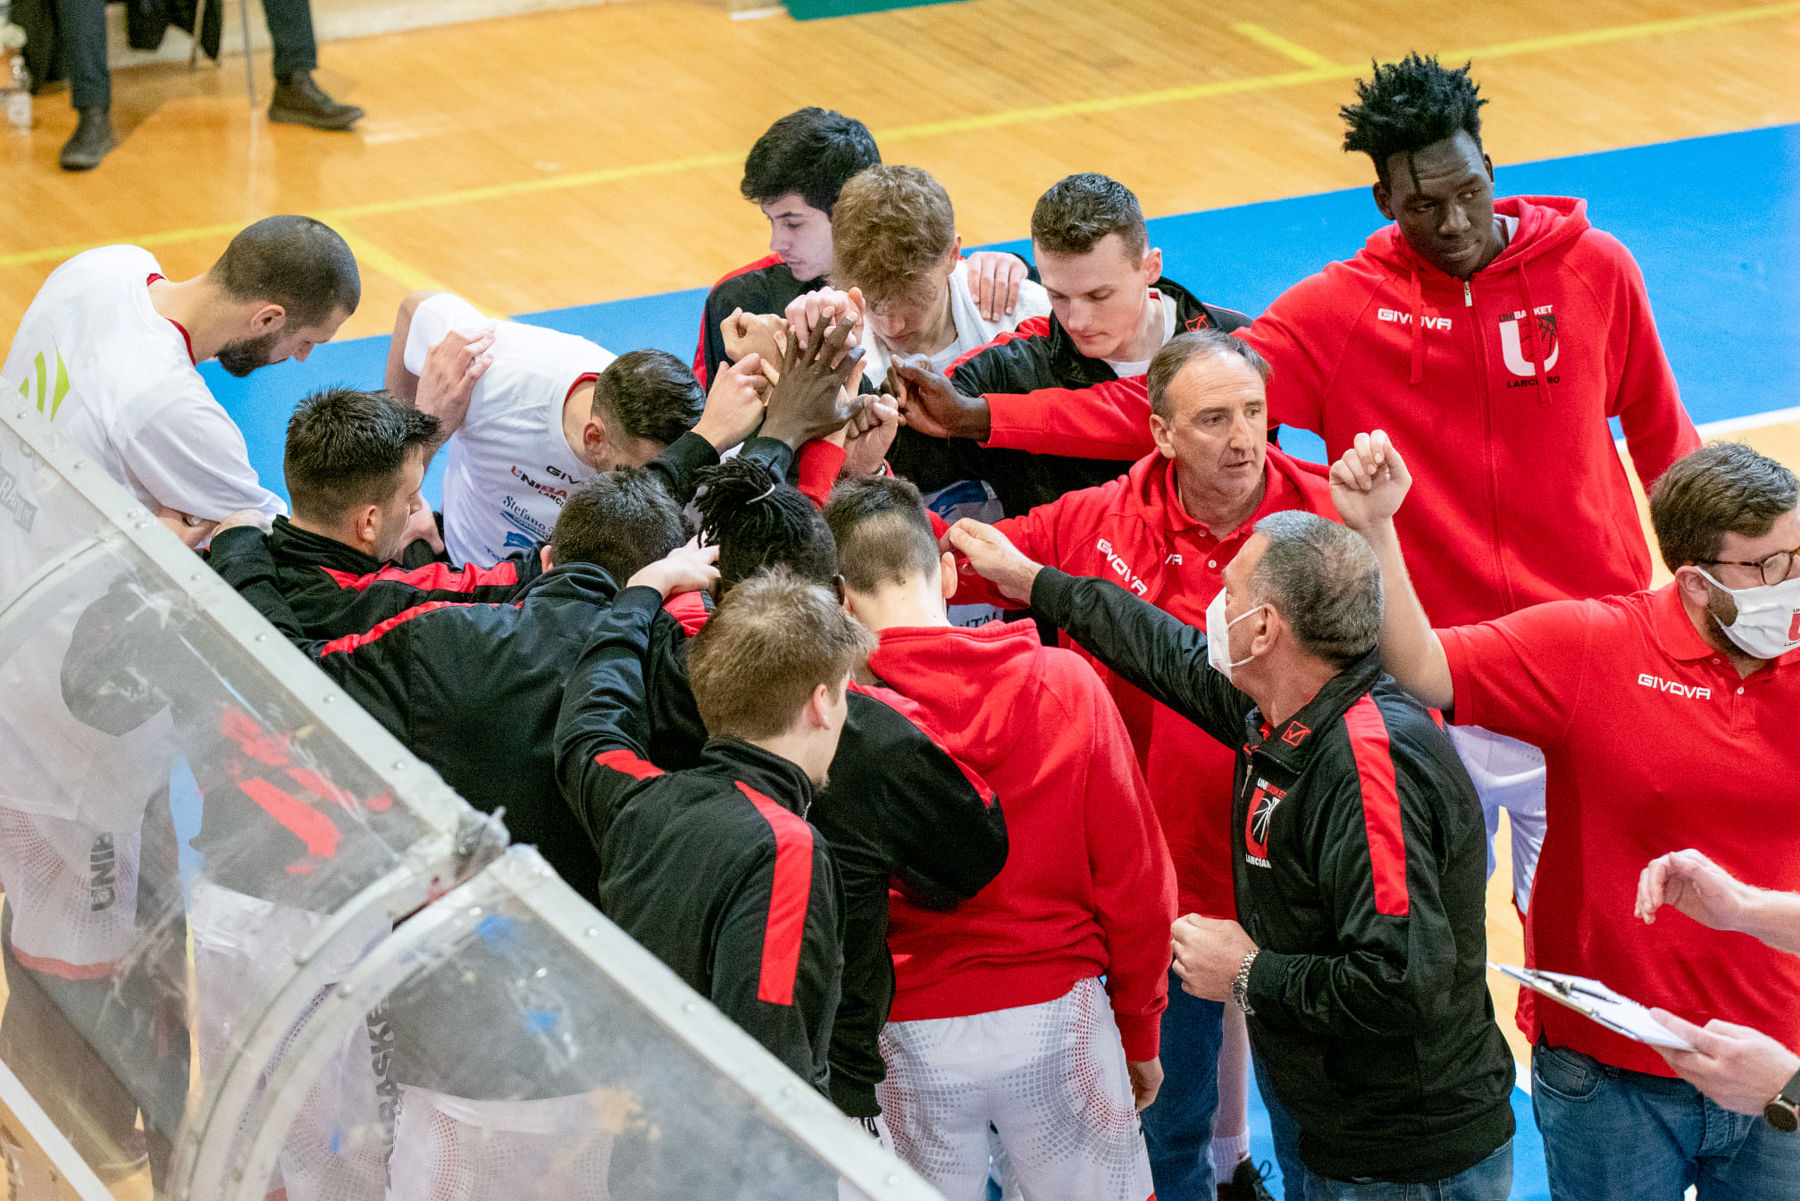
x,y
689,568
1369,482
994,557
867,438
810,400
826,307
761,334
931,404
452,369
1696,886
994,277
734,403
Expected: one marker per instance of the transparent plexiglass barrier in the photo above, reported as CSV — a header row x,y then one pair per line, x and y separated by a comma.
x,y
254,948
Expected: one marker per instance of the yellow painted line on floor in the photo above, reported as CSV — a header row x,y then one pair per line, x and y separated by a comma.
x,y
1323,72
1268,39
373,257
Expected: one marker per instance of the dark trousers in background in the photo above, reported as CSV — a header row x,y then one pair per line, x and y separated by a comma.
x,y
1178,1126
82,26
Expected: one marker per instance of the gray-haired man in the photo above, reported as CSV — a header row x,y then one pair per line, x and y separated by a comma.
x,y
1359,857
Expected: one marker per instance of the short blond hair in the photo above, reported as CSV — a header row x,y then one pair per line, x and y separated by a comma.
x,y
772,641
891,226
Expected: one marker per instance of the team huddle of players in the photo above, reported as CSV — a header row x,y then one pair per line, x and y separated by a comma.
x,y
824,763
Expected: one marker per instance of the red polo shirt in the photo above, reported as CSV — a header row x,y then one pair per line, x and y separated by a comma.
x,y
1653,744
1135,532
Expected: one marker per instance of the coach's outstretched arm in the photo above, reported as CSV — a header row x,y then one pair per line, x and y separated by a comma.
x,y
1367,485
1160,654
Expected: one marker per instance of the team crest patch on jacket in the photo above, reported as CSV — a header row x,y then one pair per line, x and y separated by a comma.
x,y
1263,803
1542,333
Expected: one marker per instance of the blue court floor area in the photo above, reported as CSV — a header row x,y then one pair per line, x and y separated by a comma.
x,y
1714,222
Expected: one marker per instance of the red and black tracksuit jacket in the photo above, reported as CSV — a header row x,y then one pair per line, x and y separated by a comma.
x,y
765,286
1360,864
1039,361
713,869
473,690
900,811
335,589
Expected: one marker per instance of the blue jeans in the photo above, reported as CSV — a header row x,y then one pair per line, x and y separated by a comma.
x,y
1286,1133
1489,1180
1615,1135
1178,1126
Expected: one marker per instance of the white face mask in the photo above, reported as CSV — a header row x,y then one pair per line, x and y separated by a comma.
x,y
1218,637
1768,617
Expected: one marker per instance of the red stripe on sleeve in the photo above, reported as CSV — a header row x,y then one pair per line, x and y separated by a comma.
x,y
1381,805
434,577
295,815
629,763
350,642
787,899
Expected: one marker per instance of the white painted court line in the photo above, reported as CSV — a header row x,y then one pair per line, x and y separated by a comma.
x,y
1732,425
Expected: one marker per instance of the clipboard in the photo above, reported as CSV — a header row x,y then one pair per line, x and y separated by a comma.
x,y
1598,1003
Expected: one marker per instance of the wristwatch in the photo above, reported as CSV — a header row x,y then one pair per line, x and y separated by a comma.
x,y
1240,989
1783,1112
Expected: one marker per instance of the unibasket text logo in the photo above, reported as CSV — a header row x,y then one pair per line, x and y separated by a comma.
x,y
1692,691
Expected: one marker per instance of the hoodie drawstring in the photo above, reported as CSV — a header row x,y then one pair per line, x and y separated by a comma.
x,y
1540,344
1416,297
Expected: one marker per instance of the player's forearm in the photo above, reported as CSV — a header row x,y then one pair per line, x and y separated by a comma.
x,y
1774,918
1410,649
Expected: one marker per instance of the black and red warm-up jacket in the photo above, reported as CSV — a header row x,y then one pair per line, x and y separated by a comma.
x,y
473,690
1135,530
1360,862
900,810
1038,367
765,286
714,869
335,589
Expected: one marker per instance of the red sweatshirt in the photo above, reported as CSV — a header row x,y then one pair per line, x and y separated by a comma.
x,y
1497,391
1135,532
1087,889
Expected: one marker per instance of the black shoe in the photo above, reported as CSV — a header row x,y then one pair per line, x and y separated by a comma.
x,y
300,102
1246,1184
90,141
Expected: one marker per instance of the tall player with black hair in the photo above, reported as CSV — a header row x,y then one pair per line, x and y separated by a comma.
x,y
1505,326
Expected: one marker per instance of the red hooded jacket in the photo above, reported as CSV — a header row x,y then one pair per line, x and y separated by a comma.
x,y
1135,532
1087,889
1496,390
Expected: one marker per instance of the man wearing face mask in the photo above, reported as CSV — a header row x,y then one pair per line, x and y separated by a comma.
x,y
1666,719
109,351
1357,855
1166,530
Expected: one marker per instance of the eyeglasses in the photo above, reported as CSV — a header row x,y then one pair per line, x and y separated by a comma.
x,y
1775,568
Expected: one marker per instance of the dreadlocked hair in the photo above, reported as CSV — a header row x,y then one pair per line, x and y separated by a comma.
x,y
757,521
1408,106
